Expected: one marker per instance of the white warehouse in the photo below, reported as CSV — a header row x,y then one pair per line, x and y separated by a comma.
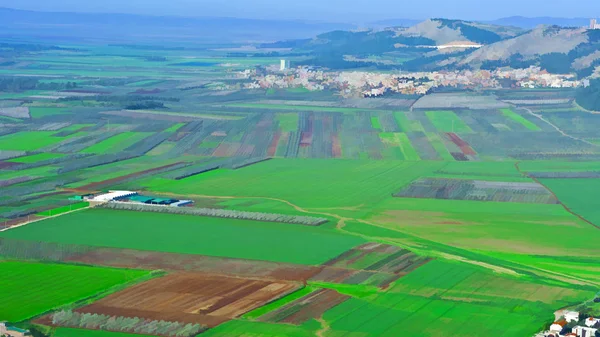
x,y
112,195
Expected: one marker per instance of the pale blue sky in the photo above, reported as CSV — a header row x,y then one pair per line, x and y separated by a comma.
x,y
325,10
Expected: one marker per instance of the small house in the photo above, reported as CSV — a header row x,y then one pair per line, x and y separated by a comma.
x,y
582,331
572,316
590,322
558,326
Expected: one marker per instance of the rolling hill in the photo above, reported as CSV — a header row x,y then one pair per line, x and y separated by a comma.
x,y
441,44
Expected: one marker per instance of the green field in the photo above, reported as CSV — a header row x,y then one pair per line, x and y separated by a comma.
x,y
579,195
452,297
316,183
294,107
175,127
117,143
288,122
260,329
439,146
34,158
405,124
448,121
29,140
375,123
30,289
520,119
68,332
489,226
39,112
401,141
190,235
65,209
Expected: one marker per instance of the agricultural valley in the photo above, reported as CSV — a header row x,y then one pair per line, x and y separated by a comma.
x,y
338,185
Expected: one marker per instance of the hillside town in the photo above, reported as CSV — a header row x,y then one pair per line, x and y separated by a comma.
x,y
573,324
372,84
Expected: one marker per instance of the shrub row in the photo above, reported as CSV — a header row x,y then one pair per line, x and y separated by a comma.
x,y
218,213
125,324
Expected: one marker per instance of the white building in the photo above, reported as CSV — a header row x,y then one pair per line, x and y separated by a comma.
x,y
582,331
594,24
557,327
112,195
591,321
572,316
284,64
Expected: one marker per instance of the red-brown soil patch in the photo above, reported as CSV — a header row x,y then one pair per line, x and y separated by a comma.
x,y
7,164
191,297
126,258
274,143
306,139
336,146
466,149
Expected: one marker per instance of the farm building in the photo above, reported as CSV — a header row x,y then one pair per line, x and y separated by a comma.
x,y
9,331
134,197
157,201
571,316
557,327
112,196
592,322
582,331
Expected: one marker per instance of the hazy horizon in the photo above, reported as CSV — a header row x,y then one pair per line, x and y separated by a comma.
x,y
326,11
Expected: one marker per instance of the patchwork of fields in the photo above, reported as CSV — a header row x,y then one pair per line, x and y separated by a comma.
x,y
473,218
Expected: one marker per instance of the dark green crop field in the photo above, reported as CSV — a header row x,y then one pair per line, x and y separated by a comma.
x,y
186,234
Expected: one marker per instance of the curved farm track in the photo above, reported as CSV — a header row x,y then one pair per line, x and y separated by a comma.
x,y
340,226
554,194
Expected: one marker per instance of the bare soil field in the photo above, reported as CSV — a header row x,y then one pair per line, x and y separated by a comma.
x,y
192,298
370,264
125,258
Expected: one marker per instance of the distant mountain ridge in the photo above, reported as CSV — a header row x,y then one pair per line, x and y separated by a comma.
x,y
515,21
144,27
443,44
529,23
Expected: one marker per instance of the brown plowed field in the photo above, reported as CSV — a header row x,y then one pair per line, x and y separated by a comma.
x,y
192,298
125,258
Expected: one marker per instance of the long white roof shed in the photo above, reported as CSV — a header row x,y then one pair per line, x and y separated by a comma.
x,y
112,195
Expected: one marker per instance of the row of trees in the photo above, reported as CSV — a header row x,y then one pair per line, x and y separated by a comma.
x,y
219,213
18,84
248,162
39,251
192,171
565,175
125,324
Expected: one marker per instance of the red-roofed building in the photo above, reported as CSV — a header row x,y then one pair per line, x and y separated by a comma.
x,y
558,325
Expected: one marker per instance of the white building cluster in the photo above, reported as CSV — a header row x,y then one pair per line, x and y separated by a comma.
x,y
581,327
371,84
594,24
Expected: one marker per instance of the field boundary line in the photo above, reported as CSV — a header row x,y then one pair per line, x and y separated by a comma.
x,y
324,327
43,218
567,208
540,117
392,241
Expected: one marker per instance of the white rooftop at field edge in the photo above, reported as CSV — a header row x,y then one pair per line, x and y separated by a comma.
x,y
112,195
